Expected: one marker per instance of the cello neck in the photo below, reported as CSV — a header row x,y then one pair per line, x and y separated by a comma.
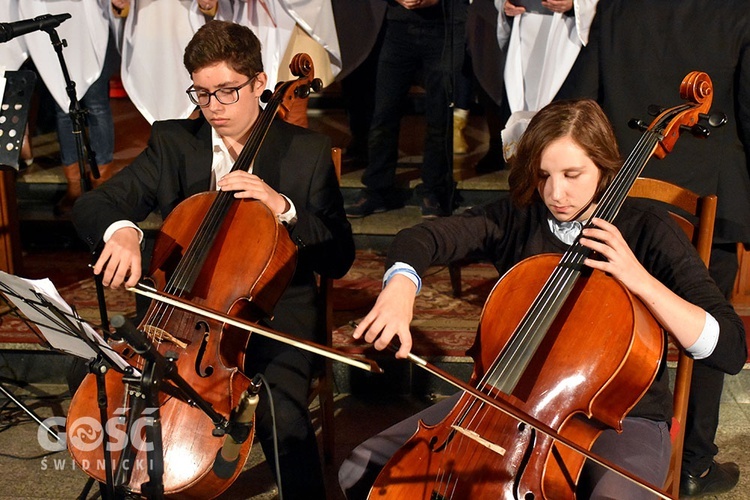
x,y
260,129
189,267
658,140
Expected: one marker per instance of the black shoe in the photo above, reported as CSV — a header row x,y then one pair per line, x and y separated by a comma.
x,y
718,479
367,203
432,208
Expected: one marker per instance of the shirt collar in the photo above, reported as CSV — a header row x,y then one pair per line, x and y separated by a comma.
x,y
567,231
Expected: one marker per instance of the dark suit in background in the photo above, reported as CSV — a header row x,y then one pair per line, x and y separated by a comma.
x,y
358,26
638,53
297,163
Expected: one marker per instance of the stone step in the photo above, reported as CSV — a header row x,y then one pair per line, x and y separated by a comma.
x,y
40,179
41,184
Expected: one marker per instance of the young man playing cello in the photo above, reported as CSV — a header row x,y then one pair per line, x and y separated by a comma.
x,y
292,174
562,165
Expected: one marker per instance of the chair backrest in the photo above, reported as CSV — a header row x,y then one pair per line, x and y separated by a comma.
x,y
326,284
323,384
702,210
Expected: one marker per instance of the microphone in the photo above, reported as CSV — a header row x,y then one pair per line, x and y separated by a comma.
x,y
240,425
9,31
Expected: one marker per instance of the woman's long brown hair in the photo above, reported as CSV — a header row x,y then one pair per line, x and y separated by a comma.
x,y
583,121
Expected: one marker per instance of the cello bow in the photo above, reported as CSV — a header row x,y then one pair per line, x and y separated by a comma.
x,y
175,301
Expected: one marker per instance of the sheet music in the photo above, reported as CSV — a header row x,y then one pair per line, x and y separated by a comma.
x,y
36,298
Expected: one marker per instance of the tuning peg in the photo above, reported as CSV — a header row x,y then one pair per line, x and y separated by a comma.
x,y
697,130
636,124
655,110
302,91
716,119
317,85
700,131
266,96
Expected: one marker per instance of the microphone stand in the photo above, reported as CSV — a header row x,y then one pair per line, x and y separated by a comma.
x,y
83,150
159,374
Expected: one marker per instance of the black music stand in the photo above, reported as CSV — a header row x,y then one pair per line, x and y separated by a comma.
x,y
65,331
14,112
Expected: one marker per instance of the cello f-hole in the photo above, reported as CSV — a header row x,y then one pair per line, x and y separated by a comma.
x,y
200,370
524,463
433,442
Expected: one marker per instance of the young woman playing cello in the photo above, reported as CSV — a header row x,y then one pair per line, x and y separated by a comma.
x,y
562,165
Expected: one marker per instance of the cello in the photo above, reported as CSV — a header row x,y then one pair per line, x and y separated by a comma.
x,y
196,258
544,387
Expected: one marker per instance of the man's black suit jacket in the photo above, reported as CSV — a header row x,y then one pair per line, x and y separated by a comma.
x,y
638,53
294,161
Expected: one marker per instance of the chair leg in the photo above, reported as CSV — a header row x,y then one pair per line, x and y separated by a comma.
x,y
454,269
325,396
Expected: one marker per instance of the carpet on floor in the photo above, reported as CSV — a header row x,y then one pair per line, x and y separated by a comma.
x,y
443,325
69,271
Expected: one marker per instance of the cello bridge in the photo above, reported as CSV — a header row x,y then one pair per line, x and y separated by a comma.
x,y
479,439
161,335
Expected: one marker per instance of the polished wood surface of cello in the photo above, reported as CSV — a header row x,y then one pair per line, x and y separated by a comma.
x,y
223,254
483,453
208,353
568,346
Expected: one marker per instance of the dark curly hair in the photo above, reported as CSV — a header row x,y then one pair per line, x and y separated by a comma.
x,y
222,41
583,121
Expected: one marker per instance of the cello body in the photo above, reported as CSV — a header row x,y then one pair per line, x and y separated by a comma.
x,y
480,452
257,261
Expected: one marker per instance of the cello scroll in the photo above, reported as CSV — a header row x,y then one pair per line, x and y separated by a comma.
x,y
303,68
697,88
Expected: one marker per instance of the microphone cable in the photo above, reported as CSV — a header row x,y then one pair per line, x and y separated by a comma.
x,y
275,434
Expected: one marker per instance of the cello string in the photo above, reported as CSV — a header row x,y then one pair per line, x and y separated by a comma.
x,y
609,205
454,449
573,258
562,274
194,255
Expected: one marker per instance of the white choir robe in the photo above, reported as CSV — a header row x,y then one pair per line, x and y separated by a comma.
x,y
13,52
154,38
86,34
277,26
156,32
541,50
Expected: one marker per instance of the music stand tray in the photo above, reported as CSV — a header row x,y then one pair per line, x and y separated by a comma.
x,y
14,114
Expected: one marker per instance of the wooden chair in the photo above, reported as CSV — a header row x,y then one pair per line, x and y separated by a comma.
x,y
702,209
741,292
322,385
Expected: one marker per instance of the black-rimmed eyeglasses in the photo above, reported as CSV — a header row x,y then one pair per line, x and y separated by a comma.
x,y
225,95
